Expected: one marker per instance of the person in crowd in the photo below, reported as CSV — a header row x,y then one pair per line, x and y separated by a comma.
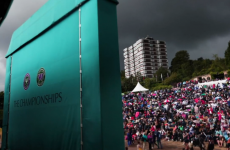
x,y
211,145
159,137
139,146
189,113
228,143
150,140
201,143
144,140
129,138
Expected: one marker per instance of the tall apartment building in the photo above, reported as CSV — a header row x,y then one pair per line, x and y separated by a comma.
x,y
145,56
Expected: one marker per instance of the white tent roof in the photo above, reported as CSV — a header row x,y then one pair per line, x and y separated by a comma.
x,y
139,88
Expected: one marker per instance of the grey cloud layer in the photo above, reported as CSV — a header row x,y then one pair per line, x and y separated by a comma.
x,y
184,24
200,26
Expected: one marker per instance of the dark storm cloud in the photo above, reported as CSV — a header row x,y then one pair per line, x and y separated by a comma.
x,y
200,26
193,25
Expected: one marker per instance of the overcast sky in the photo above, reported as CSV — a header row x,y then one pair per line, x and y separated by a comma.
x,y
202,27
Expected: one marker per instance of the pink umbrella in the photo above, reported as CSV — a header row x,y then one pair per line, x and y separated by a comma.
x,y
196,100
180,99
167,101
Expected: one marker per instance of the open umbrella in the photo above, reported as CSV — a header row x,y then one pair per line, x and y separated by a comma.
x,y
203,94
166,101
188,106
184,102
214,105
196,121
218,97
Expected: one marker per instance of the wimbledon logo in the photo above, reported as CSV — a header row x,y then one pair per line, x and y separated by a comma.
x,y
41,77
26,82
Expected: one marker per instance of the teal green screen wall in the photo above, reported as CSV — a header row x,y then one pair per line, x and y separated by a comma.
x,y
47,117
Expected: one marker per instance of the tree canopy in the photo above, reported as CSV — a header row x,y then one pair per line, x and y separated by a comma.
x,y
161,71
180,58
227,56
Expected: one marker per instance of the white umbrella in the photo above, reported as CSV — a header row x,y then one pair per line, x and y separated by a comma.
x,y
196,121
188,106
214,104
184,102
218,97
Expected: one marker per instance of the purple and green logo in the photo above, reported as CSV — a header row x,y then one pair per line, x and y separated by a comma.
x,y
41,77
26,82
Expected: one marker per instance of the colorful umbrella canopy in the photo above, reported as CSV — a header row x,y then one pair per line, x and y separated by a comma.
x,y
196,121
218,97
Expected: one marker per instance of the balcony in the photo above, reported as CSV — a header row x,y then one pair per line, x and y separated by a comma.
x,y
139,41
152,42
162,46
162,42
130,52
126,53
126,60
154,53
130,47
126,57
147,64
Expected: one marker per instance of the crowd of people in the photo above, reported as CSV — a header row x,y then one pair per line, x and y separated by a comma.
x,y
188,113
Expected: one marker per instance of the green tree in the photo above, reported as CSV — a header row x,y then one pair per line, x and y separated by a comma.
x,y
187,69
218,64
149,82
127,84
139,77
198,64
180,58
227,56
122,74
174,78
161,71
